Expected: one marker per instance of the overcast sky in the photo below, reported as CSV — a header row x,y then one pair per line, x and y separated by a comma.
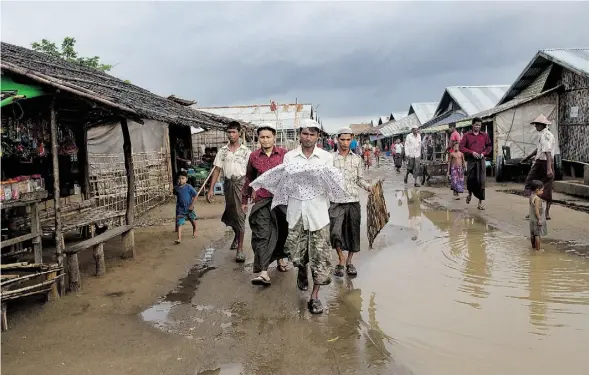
x,y
357,60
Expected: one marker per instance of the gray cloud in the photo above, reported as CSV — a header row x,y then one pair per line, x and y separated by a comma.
x,y
355,59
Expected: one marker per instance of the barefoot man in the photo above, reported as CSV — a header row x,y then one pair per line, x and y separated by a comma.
x,y
232,159
543,168
345,217
269,226
476,146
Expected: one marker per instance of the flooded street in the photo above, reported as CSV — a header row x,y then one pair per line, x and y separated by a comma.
x,y
447,290
442,292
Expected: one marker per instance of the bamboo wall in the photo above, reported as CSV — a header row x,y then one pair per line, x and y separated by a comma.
x,y
574,131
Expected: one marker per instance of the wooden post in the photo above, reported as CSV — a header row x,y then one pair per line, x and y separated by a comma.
x,y
53,294
36,230
4,319
129,237
73,271
98,252
59,244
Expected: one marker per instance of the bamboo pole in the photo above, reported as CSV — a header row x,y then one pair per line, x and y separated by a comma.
x,y
59,245
129,237
206,180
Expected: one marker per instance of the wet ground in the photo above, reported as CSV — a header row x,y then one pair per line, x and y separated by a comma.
x,y
446,290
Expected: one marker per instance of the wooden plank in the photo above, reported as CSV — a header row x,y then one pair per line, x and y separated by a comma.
x,y
101,238
56,193
20,278
14,241
12,293
36,230
27,199
129,237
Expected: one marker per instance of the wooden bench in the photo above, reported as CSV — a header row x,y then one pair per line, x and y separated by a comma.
x,y
97,245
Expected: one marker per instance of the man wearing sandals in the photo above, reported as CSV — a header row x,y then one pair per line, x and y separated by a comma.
x,y
413,154
345,217
232,159
268,225
308,220
476,146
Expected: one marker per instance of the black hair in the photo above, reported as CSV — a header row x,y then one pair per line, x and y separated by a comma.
x,y
452,125
477,119
234,125
313,128
182,173
536,184
351,135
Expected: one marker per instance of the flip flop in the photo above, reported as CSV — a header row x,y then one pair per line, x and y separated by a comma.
x,y
240,257
468,198
351,270
260,280
481,208
177,242
233,245
339,271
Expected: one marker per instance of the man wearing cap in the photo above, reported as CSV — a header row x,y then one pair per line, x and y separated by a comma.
x,y
543,168
308,220
345,217
476,146
269,226
232,160
413,154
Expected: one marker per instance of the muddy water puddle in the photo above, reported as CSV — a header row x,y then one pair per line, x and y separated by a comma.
x,y
441,293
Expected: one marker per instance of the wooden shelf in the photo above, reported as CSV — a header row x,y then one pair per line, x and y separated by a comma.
x,y
29,198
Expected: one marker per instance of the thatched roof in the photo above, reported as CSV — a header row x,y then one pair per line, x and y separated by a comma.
x,y
102,88
183,102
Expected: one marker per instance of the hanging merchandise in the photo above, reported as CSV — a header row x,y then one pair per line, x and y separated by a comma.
x,y
67,142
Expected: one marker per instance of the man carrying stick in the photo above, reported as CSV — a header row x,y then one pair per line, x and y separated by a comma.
x,y
345,217
232,159
269,226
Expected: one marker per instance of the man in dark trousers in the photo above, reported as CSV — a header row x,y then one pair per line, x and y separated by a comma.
x,y
476,146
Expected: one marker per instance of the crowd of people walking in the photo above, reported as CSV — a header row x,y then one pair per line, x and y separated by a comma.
x,y
306,202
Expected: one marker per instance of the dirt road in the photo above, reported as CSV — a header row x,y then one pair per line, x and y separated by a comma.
x,y
447,289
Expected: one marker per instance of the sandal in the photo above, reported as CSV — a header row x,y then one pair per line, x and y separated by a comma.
x,y
315,306
261,280
302,280
351,270
234,245
240,257
177,242
468,198
480,207
339,271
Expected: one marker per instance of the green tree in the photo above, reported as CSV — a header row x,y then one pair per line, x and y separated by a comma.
x,y
68,52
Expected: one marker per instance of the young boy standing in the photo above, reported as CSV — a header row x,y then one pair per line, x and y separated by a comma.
x,y
185,198
456,167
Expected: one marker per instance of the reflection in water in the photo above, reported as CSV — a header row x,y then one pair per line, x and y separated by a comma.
x,y
476,267
537,297
353,342
414,206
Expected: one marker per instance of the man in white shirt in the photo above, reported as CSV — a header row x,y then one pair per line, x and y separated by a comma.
x,y
232,160
308,220
413,154
543,168
397,149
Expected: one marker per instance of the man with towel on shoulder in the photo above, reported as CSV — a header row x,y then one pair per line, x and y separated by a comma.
x,y
413,154
232,159
345,217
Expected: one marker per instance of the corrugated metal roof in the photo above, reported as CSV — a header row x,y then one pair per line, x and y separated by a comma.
x,y
399,115
447,118
383,119
289,115
474,99
400,127
424,111
510,104
576,60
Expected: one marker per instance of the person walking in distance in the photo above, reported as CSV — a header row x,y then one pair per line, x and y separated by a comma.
x,y
413,154
543,167
232,160
268,225
345,218
476,146
397,149
456,167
